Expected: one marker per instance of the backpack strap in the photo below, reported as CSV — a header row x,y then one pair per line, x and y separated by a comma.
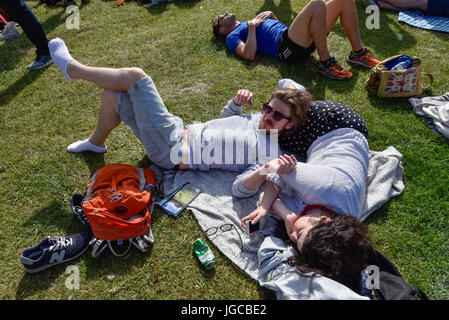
x,y
98,245
142,179
88,195
123,253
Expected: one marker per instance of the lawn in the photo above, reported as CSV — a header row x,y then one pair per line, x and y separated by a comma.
x,y
41,113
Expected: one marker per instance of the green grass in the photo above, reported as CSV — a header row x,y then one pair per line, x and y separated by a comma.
x,y
41,113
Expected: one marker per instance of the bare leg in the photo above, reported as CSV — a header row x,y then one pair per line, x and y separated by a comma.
x,y
108,119
107,78
346,10
403,4
308,27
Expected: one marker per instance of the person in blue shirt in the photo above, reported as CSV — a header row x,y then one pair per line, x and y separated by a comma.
x,y
267,35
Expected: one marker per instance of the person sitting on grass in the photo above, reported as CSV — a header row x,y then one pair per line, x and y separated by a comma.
x,y
229,143
265,34
429,7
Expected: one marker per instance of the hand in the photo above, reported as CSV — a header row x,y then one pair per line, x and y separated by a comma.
x,y
255,22
265,15
243,97
283,164
255,216
286,163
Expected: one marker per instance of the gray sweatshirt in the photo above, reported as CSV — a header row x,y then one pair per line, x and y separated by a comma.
x,y
334,175
232,142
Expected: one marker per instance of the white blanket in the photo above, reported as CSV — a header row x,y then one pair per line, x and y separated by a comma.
x,y
216,206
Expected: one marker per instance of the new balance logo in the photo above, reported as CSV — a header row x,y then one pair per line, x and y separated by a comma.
x,y
57,256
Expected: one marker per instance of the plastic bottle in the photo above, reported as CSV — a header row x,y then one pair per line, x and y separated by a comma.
x,y
403,65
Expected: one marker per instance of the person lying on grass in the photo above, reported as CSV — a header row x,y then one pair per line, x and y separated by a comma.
x,y
308,31
229,143
328,193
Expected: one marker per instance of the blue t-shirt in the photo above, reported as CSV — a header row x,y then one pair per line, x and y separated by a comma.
x,y
268,35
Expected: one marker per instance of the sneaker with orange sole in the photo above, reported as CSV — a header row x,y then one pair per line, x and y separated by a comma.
x,y
332,69
363,58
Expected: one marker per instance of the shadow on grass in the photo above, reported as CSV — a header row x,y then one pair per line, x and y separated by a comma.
x,y
283,11
93,160
14,89
164,6
391,39
12,50
22,43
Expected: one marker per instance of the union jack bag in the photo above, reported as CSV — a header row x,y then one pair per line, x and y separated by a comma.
x,y
388,83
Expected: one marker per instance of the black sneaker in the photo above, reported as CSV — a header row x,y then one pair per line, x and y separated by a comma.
x,y
76,204
53,251
40,62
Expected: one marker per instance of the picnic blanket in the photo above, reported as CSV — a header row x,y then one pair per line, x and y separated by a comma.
x,y
215,206
418,19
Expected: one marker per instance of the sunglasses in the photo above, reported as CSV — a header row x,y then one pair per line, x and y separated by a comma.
x,y
277,116
224,227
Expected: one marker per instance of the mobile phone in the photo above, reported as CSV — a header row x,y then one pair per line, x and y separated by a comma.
x,y
179,199
251,228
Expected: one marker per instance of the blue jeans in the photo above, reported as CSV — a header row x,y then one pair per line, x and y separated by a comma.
x,y
20,13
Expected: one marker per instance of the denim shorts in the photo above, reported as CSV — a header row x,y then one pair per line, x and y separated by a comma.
x,y
160,132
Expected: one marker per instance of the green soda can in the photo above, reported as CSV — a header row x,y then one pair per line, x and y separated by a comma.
x,y
204,253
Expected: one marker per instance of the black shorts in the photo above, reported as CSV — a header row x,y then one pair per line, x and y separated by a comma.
x,y
289,51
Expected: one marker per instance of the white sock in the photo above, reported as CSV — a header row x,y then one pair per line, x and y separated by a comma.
x,y
85,145
283,82
60,55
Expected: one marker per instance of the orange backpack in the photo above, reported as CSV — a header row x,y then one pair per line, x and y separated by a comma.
x,y
118,205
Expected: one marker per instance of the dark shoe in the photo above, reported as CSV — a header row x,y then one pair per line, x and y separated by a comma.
x,y
76,204
53,251
41,62
331,69
9,31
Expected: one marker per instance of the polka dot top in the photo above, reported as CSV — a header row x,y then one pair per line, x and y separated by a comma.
x,y
322,117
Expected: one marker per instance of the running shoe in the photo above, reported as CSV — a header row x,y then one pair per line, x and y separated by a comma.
x,y
364,58
40,62
332,69
53,251
9,31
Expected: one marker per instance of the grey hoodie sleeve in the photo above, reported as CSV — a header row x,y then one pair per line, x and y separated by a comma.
x,y
231,109
238,189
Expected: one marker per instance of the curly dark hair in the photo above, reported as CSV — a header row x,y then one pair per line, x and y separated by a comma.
x,y
339,249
